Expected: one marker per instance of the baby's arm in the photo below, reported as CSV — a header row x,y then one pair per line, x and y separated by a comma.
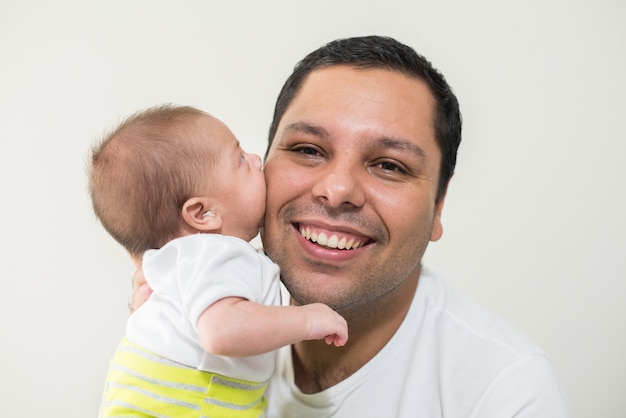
x,y
237,327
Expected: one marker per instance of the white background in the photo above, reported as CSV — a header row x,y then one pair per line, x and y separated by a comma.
x,y
534,220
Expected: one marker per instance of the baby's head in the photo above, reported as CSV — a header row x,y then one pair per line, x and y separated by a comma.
x,y
170,171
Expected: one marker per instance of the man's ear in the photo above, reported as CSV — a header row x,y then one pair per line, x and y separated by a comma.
x,y
197,214
437,231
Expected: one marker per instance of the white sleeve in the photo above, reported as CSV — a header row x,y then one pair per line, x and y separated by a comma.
x,y
220,271
201,269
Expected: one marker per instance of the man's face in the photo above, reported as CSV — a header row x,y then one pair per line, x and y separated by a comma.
x,y
351,185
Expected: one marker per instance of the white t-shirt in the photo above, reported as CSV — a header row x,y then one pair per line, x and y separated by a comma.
x,y
186,276
449,358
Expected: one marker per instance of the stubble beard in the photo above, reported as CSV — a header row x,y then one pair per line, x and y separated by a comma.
x,y
349,293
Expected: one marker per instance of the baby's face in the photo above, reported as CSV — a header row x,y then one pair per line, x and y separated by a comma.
x,y
239,184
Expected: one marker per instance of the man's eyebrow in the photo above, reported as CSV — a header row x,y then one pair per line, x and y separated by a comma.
x,y
400,144
404,145
306,128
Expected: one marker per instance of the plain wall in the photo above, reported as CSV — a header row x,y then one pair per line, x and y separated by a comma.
x,y
534,225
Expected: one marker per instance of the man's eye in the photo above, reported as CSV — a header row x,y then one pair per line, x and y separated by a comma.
x,y
389,166
306,150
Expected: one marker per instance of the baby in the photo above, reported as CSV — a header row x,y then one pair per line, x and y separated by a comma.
x,y
173,186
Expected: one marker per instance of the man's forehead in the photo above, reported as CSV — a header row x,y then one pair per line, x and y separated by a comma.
x,y
326,83
323,88
361,96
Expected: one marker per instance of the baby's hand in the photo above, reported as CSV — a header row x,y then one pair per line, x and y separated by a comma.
x,y
324,323
141,291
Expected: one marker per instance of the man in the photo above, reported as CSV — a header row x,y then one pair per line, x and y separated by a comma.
x,y
362,147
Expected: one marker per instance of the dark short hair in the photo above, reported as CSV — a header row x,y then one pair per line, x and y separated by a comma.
x,y
384,53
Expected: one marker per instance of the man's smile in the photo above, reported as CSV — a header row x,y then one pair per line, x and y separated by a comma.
x,y
333,240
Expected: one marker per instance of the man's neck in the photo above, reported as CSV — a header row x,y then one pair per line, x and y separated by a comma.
x,y
318,366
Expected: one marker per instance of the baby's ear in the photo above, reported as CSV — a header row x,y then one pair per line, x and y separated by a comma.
x,y
197,214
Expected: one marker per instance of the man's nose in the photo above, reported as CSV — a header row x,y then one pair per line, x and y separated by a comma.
x,y
339,184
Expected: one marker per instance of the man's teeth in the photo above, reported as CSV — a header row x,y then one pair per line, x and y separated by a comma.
x,y
331,242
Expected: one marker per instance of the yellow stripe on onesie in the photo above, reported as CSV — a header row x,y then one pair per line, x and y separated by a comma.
x,y
143,384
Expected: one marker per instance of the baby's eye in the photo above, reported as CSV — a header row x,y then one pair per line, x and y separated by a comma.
x,y
243,158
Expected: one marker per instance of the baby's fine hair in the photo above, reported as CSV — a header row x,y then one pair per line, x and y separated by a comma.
x,y
142,172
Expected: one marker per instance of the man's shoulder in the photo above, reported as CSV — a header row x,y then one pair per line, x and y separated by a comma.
x,y
480,357
462,319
